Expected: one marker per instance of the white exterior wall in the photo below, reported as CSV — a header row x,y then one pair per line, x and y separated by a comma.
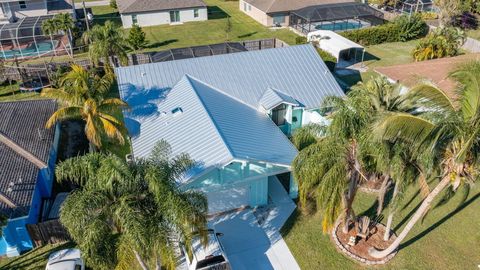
x,y
163,17
312,116
34,8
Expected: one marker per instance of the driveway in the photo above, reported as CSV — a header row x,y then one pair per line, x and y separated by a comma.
x,y
251,238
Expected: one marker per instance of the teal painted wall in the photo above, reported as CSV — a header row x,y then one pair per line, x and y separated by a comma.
x,y
259,192
298,115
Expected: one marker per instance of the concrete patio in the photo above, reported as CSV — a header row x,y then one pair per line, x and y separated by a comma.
x,y
251,237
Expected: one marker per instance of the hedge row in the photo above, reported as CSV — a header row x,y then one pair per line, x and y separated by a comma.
x,y
402,29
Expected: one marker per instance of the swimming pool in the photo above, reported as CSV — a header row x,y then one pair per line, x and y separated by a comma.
x,y
32,50
339,26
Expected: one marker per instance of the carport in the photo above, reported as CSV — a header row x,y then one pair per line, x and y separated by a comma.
x,y
344,50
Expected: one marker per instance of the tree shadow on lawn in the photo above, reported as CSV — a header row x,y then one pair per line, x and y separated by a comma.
x,y
19,263
247,35
439,222
215,13
161,43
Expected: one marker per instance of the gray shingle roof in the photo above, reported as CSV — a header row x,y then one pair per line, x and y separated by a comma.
x,y
212,127
296,71
24,123
271,6
138,6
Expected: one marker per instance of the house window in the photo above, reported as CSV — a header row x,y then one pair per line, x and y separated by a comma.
x,y
278,115
174,16
249,7
278,20
134,19
195,13
22,4
244,6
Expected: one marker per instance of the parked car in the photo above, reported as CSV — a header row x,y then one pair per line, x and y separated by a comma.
x,y
66,259
209,257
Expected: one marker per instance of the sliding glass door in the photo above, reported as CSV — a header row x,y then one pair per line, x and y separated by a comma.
x,y
174,16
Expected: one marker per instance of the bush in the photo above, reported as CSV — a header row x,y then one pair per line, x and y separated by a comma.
x,y
403,28
137,38
300,40
113,4
329,59
441,42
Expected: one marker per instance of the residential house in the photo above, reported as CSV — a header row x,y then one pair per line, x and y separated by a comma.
x,y
27,158
231,113
277,12
436,72
11,11
149,13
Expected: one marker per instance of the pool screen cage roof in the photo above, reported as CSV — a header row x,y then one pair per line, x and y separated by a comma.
x,y
25,38
336,12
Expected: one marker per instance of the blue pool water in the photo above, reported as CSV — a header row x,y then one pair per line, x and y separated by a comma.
x,y
31,50
340,26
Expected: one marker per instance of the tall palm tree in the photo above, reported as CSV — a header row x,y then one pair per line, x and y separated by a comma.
x,y
124,212
106,41
448,131
333,160
84,96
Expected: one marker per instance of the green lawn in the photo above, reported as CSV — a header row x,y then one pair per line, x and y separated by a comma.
x,y
12,93
448,238
207,32
34,259
385,54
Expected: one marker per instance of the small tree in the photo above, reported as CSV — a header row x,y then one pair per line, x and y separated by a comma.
x,y
136,38
113,4
448,9
228,26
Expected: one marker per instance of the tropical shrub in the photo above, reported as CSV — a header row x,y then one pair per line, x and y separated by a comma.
x,y
441,42
403,28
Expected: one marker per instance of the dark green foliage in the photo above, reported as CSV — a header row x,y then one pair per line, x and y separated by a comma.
x,y
329,59
113,4
300,40
404,28
136,38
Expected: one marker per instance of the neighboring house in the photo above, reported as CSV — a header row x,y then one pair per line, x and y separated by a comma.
x,y
27,158
434,71
10,11
149,13
231,113
277,12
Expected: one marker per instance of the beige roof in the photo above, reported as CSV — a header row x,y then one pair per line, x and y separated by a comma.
x,y
435,71
137,6
270,6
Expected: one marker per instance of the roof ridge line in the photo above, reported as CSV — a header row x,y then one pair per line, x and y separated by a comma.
x,y
5,199
222,137
22,151
269,7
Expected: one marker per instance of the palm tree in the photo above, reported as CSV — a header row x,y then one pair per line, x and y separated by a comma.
x,y
333,160
441,42
447,131
124,212
83,96
105,42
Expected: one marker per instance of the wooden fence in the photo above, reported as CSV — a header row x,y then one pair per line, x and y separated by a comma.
x,y
48,232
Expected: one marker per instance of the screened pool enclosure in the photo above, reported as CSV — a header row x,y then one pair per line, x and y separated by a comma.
x,y
25,39
335,17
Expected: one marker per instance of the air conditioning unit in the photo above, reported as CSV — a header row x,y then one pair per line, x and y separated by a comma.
x,y
129,158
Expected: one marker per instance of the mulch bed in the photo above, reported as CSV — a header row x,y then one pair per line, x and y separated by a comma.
x,y
359,252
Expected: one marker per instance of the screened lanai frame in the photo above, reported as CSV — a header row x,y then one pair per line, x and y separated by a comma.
x,y
25,39
346,16
411,6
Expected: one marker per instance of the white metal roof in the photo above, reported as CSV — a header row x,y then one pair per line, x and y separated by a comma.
x,y
332,42
272,98
297,71
211,126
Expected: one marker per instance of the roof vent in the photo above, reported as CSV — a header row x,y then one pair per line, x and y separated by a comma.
x,y
177,111
163,113
144,74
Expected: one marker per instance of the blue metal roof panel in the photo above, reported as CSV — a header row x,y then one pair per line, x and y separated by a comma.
x,y
297,70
